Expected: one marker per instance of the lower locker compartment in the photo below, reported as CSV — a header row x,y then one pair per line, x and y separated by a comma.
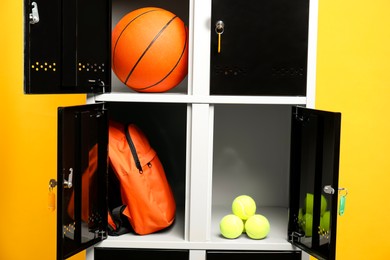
x,y
136,254
259,255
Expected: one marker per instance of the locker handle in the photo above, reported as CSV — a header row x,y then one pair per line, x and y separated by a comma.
x,y
328,189
68,183
34,15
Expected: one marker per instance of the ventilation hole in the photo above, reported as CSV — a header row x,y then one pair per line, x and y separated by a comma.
x,y
43,66
230,71
291,72
91,67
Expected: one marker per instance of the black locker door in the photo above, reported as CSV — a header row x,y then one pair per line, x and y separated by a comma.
x,y
262,48
67,46
314,171
253,255
124,254
81,178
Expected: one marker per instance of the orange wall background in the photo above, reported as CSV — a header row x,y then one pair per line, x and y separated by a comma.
x,y
28,145
353,77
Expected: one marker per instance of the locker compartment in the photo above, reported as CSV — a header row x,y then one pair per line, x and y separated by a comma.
x,y
121,7
124,254
286,158
259,47
251,157
266,255
165,125
85,195
67,46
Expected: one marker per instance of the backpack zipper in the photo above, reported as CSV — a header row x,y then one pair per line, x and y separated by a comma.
x,y
133,150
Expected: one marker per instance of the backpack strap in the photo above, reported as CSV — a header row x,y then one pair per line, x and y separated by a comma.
x,y
133,149
116,222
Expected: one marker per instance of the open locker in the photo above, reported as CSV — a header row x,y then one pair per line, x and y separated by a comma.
x,y
279,155
83,198
67,45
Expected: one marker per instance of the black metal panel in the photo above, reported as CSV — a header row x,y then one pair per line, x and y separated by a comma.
x,y
263,47
42,44
68,49
82,162
315,145
94,44
124,254
253,255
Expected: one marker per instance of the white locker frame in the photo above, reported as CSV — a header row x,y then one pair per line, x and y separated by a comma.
x,y
197,227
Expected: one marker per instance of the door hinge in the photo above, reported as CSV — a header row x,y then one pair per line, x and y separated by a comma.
x,y
295,236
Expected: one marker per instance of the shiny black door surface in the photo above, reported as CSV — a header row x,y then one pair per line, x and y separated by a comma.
x,y
81,178
259,47
314,170
125,254
253,255
67,46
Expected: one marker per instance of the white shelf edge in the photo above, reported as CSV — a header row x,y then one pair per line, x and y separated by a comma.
x,y
192,99
276,240
229,245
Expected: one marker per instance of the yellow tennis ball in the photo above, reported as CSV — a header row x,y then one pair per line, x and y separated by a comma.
x,y
307,224
309,201
231,226
244,207
257,227
300,214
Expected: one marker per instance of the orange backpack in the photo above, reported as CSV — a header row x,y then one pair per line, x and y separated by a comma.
x,y
147,198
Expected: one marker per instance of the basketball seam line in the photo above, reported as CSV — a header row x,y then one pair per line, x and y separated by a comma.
x,y
149,46
123,30
177,63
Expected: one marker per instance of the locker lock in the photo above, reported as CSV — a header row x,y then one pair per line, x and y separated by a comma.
x,y
34,15
219,29
51,202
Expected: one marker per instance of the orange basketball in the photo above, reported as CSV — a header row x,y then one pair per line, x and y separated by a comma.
x,y
150,50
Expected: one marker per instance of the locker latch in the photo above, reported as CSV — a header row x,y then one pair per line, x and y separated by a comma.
x,y
69,183
328,189
34,15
